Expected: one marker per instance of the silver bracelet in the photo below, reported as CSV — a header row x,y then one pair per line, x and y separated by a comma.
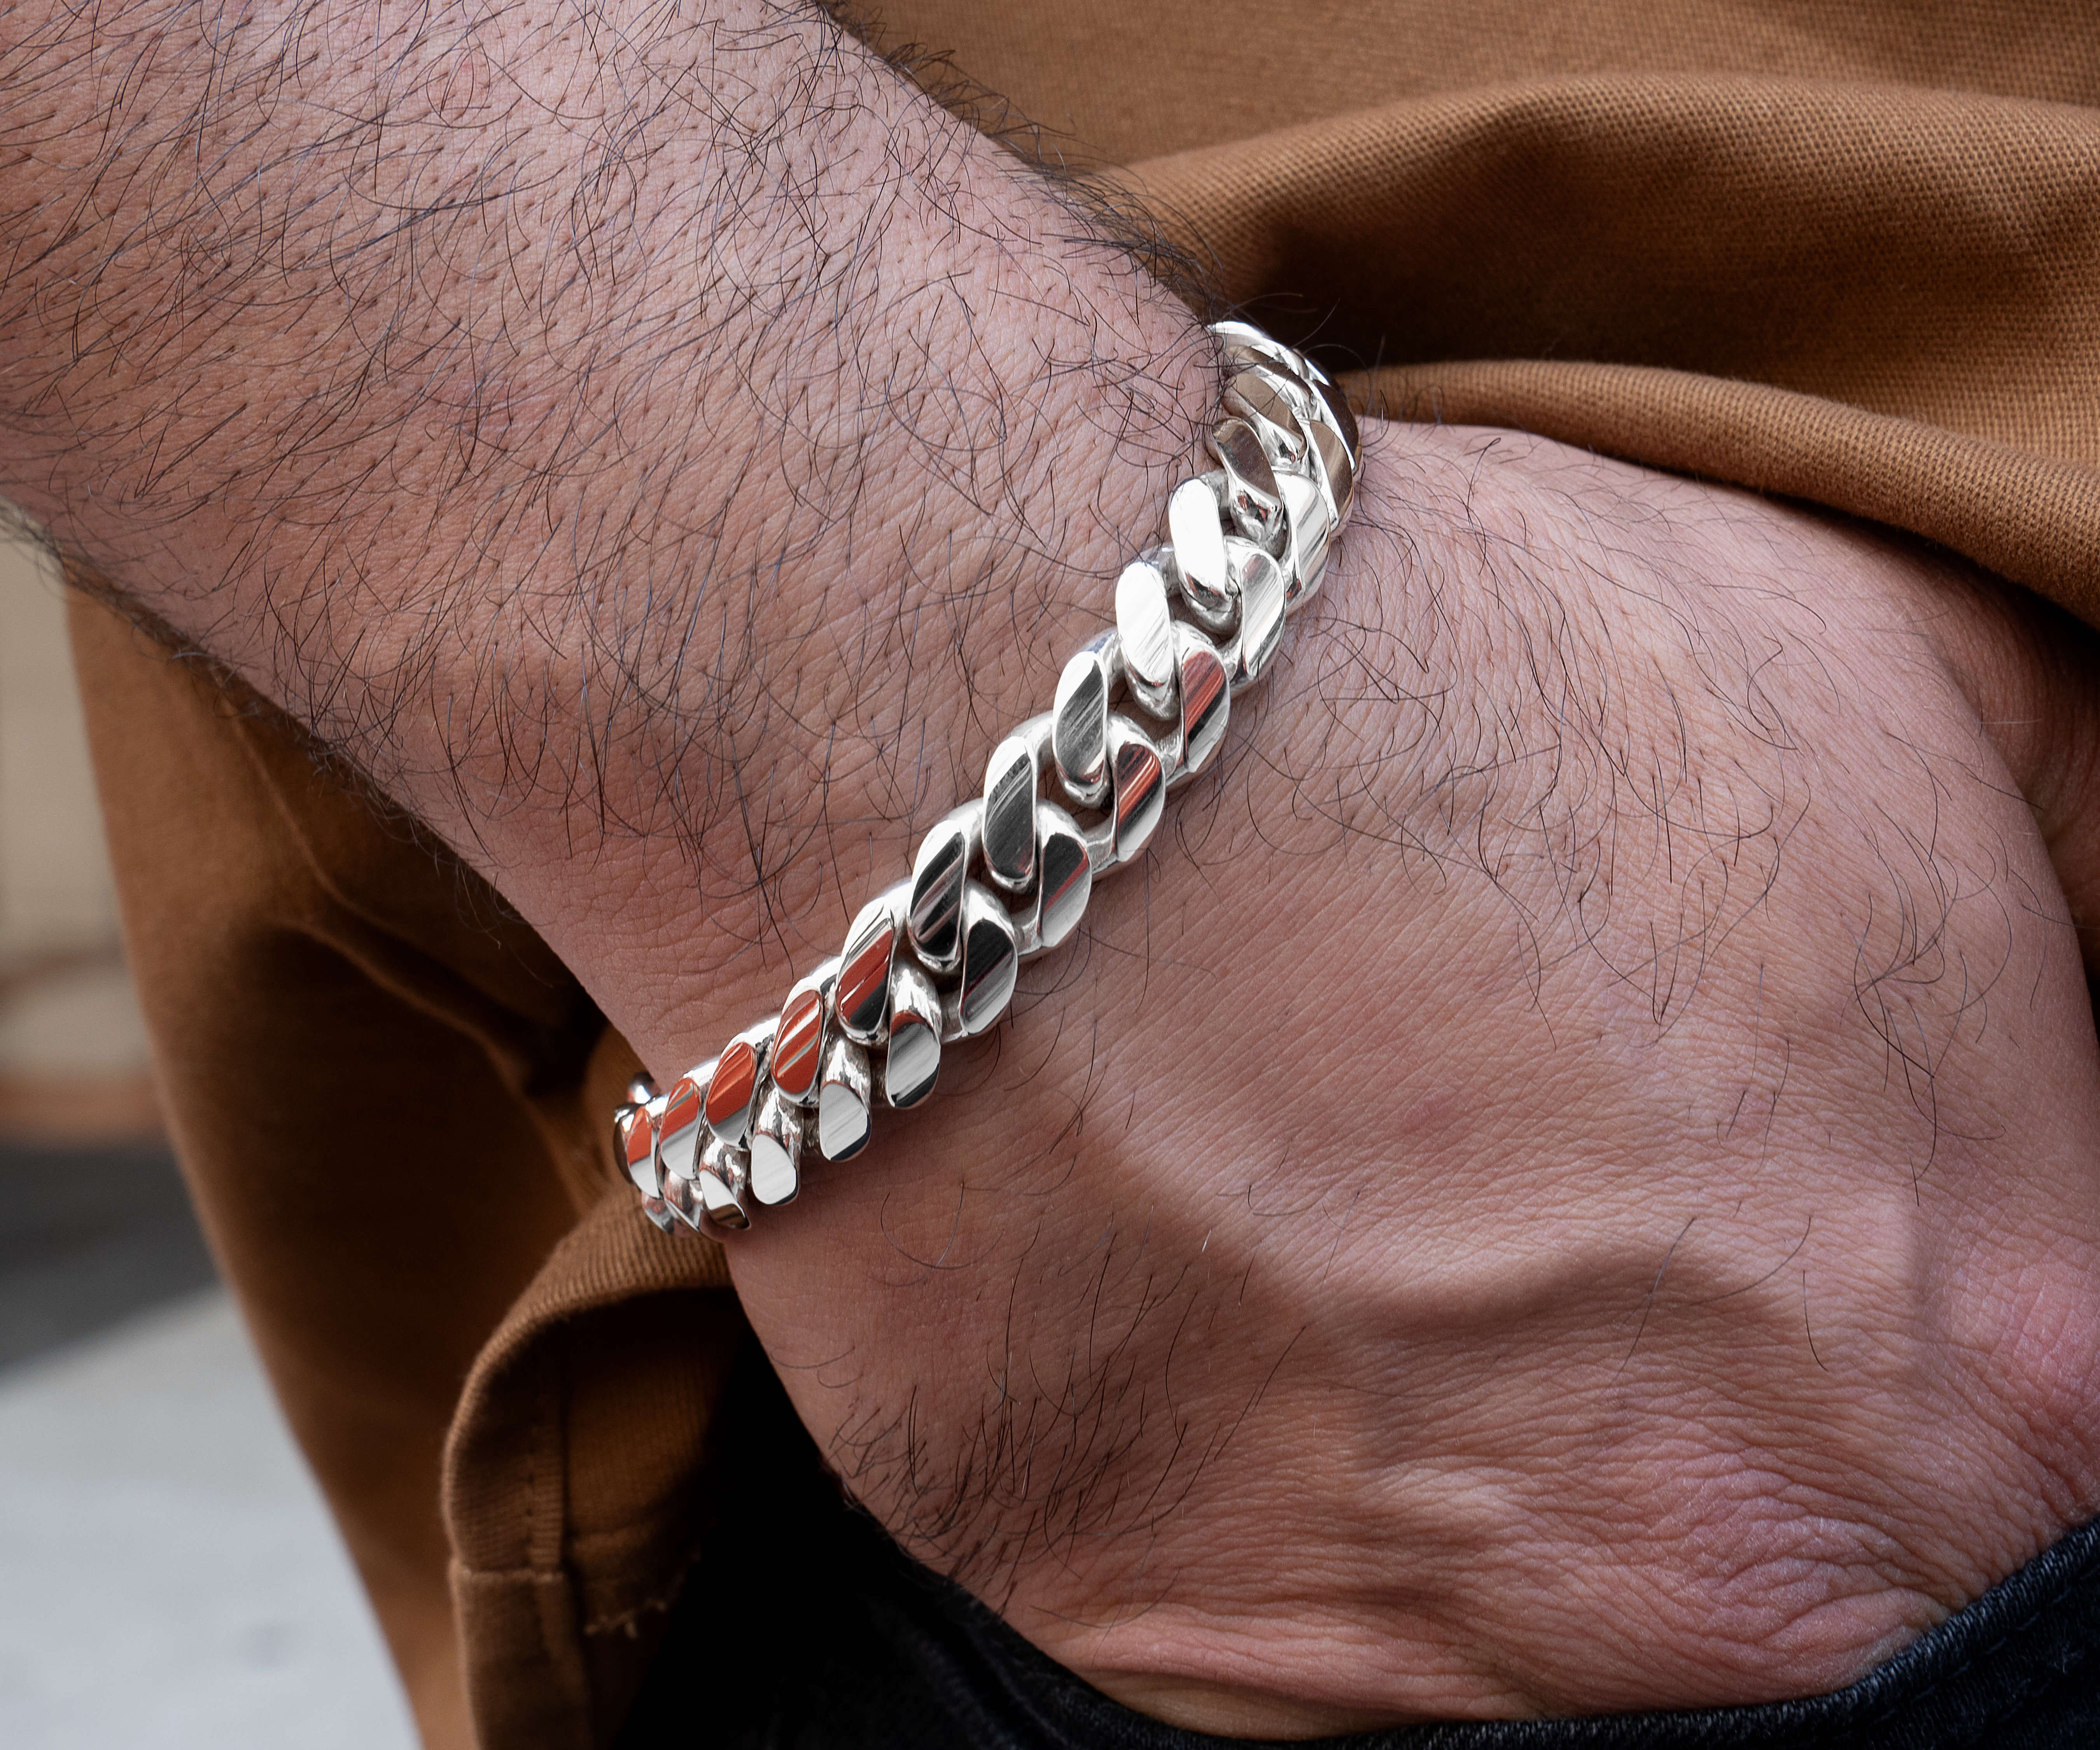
x,y
1069,797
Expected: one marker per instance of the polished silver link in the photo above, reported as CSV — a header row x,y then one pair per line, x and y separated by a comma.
x,y
1337,472
1321,442
934,919
862,1004
776,1149
724,1184
1320,452
1065,880
798,1040
1242,343
1327,458
845,1101
635,1147
732,1091
1258,397
1079,721
682,1127
1312,520
1331,427
913,1064
1282,393
935,959
658,1211
1305,385
1206,694
991,960
1011,777
1194,522
1260,583
1251,497
1342,417
1145,628
1139,776
682,1199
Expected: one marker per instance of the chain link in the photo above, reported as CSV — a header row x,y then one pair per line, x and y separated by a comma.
x,y
1070,796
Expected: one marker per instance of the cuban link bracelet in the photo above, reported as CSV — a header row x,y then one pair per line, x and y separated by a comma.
x,y
1068,796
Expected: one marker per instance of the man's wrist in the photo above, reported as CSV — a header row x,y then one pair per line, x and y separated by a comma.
x,y
1139,710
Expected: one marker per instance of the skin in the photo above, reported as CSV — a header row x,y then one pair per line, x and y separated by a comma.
x,y
1579,1138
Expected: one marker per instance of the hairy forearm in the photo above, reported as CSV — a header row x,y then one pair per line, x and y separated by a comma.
x,y
612,428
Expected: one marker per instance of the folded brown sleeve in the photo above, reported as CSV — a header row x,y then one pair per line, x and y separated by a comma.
x,y
1887,301
390,1101
1849,254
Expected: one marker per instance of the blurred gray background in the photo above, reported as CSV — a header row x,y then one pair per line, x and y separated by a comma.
x,y
169,1577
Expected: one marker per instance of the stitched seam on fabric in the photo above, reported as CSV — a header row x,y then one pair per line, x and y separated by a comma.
x,y
625,1621
660,1601
511,1576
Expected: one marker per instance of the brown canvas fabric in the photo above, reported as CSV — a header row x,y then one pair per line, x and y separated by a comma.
x,y
1849,253
1673,271
1844,253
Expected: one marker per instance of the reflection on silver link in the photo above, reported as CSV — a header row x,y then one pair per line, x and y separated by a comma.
x,y
914,1061
1008,875
798,1041
1009,815
732,1091
935,918
682,1199
1342,417
1312,524
1257,396
1079,721
861,1004
1147,629
725,1185
991,958
639,1137
635,1147
1262,583
1140,777
1243,344
1065,881
1338,471
845,1102
679,1126
1198,546
1205,696
1251,495
776,1150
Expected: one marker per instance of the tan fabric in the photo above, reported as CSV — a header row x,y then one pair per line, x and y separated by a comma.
x,y
1848,253
1676,272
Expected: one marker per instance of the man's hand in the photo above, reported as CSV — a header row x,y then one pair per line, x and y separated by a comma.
x,y
1568,1183
1565,1183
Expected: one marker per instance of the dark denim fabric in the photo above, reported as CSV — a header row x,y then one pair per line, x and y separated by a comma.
x,y
807,1629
